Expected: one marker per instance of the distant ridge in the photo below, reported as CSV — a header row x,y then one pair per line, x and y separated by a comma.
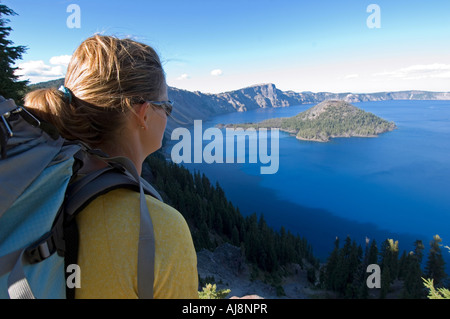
x,y
190,106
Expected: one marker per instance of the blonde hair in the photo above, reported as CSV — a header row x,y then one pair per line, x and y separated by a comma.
x,y
106,77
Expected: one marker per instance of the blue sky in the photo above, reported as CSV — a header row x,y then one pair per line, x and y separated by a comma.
x,y
220,45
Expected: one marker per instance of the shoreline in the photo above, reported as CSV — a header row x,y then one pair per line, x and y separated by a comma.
x,y
294,133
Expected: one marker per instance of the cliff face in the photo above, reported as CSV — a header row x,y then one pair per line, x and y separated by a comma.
x,y
190,106
258,96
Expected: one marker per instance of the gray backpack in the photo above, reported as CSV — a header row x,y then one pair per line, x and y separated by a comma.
x,y
39,200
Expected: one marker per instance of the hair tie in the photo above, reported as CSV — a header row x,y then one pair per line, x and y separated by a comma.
x,y
67,93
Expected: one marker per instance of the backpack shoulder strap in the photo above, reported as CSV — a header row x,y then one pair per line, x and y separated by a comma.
x,y
84,191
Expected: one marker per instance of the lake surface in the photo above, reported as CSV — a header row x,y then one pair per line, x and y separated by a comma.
x,y
394,186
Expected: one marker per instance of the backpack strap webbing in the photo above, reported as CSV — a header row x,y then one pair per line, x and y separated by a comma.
x,y
84,191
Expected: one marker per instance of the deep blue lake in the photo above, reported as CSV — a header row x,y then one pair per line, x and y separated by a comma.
x,y
394,186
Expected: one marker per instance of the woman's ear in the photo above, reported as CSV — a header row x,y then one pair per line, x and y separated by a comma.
x,y
141,113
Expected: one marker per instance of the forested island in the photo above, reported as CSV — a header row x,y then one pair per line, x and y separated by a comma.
x,y
326,120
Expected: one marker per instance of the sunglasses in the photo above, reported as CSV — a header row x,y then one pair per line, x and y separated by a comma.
x,y
167,106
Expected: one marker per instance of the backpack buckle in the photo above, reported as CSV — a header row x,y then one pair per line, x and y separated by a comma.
x,y
42,249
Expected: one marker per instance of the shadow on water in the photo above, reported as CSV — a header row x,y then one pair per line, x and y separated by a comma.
x,y
320,227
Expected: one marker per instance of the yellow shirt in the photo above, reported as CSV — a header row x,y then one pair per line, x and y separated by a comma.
x,y
108,249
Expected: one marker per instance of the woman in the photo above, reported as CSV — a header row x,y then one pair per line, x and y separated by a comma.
x,y
115,99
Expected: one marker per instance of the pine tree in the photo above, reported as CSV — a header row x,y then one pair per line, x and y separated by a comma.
x,y
418,250
370,257
348,261
235,237
385,281
436,293
373,253
389,265
10,86
435,265
389,258
413,286
330,272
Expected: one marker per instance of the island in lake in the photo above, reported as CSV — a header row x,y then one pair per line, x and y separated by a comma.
x,y
326,120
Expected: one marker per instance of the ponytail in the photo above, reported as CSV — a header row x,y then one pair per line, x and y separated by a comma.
x,y
48,104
